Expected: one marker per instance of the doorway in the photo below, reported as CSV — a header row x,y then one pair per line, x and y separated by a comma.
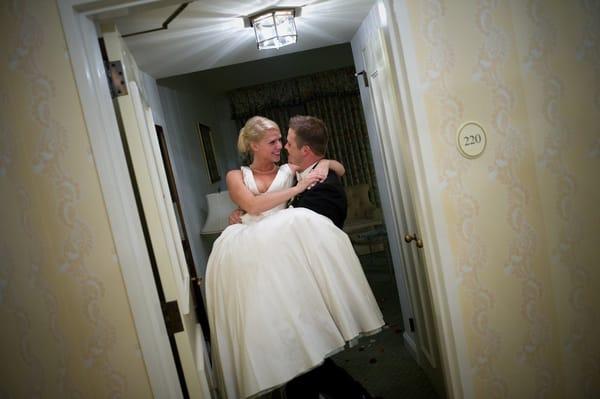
x,y
371,235
365,224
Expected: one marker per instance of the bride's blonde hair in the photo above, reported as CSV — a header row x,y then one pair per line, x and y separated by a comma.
x,y
254,130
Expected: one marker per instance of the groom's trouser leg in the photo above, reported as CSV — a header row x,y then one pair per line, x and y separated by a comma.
x,y
336,383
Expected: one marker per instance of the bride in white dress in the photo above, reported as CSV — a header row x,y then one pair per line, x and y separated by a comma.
x,y
284,289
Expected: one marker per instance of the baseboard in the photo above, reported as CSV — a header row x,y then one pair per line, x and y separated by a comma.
x,y
410,344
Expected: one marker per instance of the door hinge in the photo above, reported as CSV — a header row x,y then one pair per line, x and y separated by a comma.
x,y
364,76
172,317
116,78
411,324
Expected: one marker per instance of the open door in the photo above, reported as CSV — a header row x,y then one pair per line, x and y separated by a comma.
x,y
383,102
158,217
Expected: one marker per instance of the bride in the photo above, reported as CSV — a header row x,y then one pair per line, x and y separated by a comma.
x,y
284,289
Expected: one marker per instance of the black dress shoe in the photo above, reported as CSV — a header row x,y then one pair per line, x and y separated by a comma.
x,y
336,383
304,386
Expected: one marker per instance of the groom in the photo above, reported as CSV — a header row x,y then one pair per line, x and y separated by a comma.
x,y
306,145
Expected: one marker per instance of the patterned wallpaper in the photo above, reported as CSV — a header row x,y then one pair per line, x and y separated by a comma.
x,y
67,329
523,219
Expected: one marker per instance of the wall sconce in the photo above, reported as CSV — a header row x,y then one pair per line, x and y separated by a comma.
x,y
274,28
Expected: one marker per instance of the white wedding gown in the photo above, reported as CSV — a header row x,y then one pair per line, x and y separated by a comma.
x,y
284,290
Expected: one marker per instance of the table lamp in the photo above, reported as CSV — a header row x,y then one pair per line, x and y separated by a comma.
x,y
219,208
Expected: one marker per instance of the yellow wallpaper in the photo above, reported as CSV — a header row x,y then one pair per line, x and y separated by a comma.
x,y
523,219
561,61
67,329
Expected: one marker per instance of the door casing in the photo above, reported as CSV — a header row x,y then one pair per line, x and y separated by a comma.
x,y
105,141
414,134
380,101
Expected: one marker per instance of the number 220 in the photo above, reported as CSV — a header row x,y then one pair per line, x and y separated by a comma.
x,y
472,139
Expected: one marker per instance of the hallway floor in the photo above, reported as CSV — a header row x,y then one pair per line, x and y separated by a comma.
x,y
380,362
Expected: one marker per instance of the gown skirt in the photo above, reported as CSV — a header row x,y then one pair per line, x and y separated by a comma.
x,y
283,292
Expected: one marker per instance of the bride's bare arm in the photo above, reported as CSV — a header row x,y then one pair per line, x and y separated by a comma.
x,y
331,164
255,204
324,166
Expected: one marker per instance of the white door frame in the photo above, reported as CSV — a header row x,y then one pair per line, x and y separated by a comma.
x,y
393,221
115,183
426,194
392,16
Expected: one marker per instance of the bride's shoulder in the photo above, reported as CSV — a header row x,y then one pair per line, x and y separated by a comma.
x,y
235,171
242,170
234,174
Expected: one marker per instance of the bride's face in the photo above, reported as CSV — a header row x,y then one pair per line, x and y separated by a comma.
x,y
269,147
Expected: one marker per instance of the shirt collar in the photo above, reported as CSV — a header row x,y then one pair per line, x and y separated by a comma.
x,y
305,172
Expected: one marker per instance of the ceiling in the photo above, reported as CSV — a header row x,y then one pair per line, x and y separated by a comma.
x,y
211,34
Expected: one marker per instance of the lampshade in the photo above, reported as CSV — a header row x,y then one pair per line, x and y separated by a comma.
x,y
219,208
274,28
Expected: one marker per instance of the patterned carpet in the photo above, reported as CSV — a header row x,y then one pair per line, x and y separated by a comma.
x,y
380,362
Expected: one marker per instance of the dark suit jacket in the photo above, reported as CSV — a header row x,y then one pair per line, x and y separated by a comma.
x,y
327,198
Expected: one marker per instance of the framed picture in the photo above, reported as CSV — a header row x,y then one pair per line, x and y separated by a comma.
x,y
208,149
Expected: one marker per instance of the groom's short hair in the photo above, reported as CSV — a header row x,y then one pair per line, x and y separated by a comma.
x,y
310,131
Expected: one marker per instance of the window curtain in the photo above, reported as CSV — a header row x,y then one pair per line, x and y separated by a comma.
x,y
332,96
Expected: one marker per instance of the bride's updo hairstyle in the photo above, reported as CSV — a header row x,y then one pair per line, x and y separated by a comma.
x,y
254,130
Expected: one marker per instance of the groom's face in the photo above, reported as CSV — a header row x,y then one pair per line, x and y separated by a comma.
x,y
291,146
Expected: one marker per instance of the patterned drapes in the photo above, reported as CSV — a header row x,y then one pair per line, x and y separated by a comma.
x,y
332,96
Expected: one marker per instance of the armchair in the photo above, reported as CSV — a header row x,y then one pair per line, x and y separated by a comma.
x,y
363,215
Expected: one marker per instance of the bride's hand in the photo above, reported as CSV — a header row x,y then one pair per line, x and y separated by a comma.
x,y
309,181
322,168
318,175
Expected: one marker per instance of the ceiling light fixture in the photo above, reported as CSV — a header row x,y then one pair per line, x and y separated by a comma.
x,y
274,28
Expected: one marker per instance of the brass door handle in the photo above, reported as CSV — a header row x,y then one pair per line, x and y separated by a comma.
x,y
197,281
413,237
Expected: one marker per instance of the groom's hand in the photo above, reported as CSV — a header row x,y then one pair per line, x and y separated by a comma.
x,y
235,216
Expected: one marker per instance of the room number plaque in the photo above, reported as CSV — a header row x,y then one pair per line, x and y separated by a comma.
x,y
471,140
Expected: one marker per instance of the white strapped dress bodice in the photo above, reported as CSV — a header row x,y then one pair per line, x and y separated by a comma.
x,y
284,179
